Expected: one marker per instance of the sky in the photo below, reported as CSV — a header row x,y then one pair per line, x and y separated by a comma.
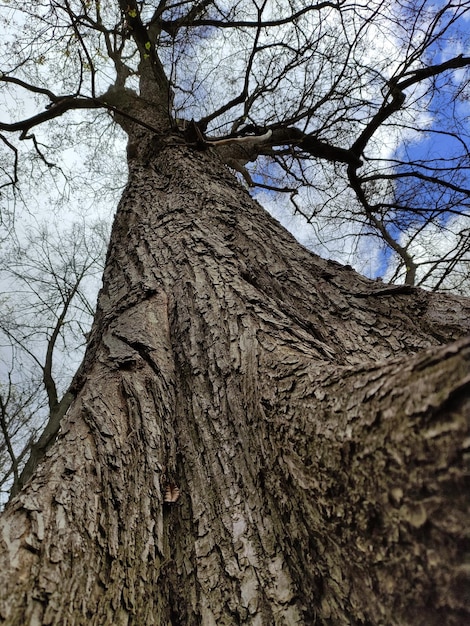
x,y
438,144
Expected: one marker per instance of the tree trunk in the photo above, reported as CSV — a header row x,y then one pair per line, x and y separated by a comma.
x,y
258,436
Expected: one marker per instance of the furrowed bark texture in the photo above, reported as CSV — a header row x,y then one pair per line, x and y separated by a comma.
x,y
313,422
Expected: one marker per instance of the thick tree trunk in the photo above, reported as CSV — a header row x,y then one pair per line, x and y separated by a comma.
x,y
311,421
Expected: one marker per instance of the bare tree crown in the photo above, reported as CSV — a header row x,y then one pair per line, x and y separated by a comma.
x,y
340,86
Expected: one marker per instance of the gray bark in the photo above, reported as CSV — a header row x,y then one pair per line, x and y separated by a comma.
x,y
312,421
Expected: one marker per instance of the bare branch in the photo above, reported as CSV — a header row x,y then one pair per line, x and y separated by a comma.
x,y
64,104
171,26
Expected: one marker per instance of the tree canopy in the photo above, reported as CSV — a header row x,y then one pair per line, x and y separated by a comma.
x,y
49,285
367,105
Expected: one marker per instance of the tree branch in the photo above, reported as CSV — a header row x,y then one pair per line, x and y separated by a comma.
x,y
64,104
415,76
410,265
242,96
171,26
145,45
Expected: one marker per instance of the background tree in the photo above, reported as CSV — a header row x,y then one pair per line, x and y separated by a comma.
x,y
46,316
255,435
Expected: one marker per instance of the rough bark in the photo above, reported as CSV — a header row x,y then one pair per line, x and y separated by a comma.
x,y
313,422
